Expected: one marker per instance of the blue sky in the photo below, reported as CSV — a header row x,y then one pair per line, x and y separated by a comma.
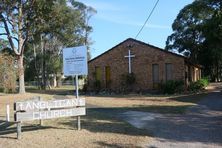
x,y
117,20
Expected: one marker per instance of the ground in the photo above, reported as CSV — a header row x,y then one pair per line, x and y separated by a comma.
x,y
200,126
161,121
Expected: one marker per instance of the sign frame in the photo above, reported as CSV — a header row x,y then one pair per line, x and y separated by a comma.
x,y
75,61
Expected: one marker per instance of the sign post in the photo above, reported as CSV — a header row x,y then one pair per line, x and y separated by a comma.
x,y
77,97
75,64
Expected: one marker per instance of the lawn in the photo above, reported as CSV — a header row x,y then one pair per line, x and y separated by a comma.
x,y
100,127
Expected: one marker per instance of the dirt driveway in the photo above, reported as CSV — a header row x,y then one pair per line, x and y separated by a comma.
x,y
200,126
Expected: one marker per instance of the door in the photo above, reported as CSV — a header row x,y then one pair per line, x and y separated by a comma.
x,y
108,76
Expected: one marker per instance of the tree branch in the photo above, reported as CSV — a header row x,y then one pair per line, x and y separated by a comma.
x,y
3,33
8,34
15,39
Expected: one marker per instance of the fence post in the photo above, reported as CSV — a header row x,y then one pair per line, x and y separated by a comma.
x,y
7,113
19,130
40,121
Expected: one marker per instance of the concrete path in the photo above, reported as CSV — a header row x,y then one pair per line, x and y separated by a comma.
x,y
200,127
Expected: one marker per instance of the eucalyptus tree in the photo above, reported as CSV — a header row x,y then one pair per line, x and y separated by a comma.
x,y
197,34
38,22
67,25
16,19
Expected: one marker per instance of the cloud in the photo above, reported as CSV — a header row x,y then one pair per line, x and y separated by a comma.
x,y
102,6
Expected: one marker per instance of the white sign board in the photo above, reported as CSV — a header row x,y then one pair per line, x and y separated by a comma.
x,y
75,61
50,104
36,115
32,110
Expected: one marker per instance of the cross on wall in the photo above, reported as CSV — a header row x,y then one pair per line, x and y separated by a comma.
x,y
129,56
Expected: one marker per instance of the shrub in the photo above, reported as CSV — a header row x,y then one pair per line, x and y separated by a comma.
x,y
198,85
172,86
97,85
127,81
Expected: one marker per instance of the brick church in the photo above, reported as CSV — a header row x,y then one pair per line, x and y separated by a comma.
x,y
150,65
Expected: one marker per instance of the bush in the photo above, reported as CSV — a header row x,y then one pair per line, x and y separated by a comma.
x,y
97,85
198,85
128,79
172,86
127,82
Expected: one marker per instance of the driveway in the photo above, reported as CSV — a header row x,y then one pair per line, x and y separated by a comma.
x,y
201,126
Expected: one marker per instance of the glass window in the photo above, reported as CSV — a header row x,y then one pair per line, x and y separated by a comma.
x,y
155,69
169,71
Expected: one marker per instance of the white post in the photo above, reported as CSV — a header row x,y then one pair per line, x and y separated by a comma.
x,y
129,62
19,130
77,87
40,121
7,113
77,97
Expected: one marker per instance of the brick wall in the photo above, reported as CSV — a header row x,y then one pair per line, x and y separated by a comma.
x,y
145,56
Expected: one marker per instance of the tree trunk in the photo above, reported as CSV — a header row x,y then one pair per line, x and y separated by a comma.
x,y
54,81
21,75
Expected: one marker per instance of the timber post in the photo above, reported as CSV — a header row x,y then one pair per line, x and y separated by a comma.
x,y
19,130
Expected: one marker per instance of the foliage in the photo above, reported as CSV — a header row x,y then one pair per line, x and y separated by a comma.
x,y
8,73
197,33
16,19
198,85
127,81
48,26
97,85
172,86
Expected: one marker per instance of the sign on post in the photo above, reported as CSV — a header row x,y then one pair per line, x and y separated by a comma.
x,y
74,64
75,61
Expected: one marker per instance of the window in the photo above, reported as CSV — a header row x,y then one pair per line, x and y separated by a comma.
x,y
169,71
98,73
155,73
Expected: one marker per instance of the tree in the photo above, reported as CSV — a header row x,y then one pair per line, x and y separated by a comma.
x,y
16,17
65,27
197,34
87,13
37,22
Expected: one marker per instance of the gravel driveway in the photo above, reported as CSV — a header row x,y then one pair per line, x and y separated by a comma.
x,y
201,126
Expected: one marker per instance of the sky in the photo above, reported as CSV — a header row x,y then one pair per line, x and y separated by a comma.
x,y
117,20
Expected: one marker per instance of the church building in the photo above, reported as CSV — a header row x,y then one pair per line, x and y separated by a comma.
x,y
150,65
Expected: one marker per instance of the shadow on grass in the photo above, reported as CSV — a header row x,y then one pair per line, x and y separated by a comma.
x,y
98,121
10,128
116,145
167,109
109,120
194,98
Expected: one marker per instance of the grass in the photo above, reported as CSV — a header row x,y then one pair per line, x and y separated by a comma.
x,y
157,104
100,127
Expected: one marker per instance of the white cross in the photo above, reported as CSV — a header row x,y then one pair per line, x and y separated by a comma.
x,y
129,56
